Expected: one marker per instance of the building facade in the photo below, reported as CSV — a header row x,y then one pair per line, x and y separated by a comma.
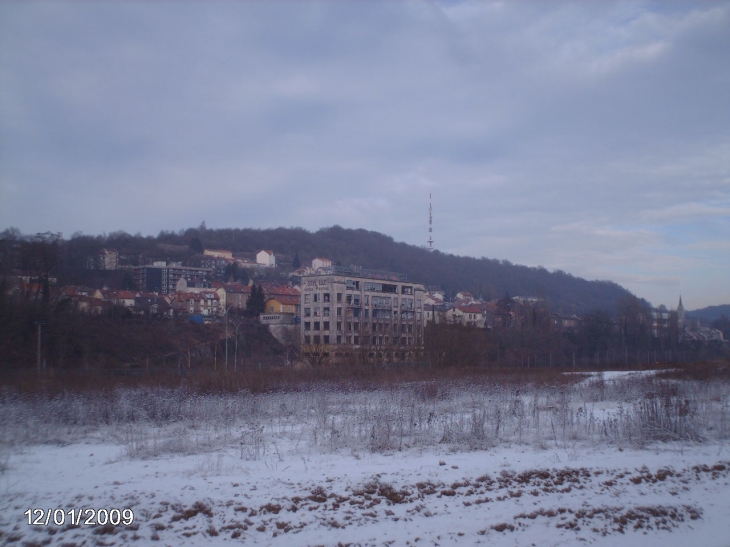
x,y
266,258
162,278
346,309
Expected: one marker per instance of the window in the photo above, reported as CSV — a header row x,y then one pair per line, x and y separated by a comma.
x,y
349,326
317,311
381,301
307,339
339,338
271,309
307,298
339,297
406,289
316,339
367,299
339,312
316,297
356,340
339,325
307,325
307,312
326,338
326,297
356,326
316,325
367,313
326,325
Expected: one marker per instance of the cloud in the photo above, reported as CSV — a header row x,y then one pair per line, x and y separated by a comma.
x,y
684,212
591,137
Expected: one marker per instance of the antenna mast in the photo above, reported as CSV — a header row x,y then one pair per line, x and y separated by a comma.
x,y
430,224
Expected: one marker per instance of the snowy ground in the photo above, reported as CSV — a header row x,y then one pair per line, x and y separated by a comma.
x,y
279,478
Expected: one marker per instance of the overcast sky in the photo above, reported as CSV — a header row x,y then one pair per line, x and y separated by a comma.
x,y
591,137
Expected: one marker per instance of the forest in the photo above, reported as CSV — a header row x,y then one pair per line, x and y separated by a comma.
x,y
486,277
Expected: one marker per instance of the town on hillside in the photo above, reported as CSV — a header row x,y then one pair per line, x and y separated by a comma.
x,y
327,311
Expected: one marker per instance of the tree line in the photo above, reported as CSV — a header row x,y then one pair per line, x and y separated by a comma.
x,y
488,278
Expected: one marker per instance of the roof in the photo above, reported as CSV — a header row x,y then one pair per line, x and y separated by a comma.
x,y
236,288
285,299
469,309
275,289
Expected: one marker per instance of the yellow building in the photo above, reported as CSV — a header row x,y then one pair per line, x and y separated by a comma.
x,y
283,304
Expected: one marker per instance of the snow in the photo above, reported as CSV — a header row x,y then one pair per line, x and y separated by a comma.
x,y
299,487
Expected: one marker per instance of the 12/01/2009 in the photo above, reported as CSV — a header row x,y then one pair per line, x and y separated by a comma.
x,y
79,517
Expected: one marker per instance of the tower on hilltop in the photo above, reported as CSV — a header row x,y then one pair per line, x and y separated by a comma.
x,y
430,224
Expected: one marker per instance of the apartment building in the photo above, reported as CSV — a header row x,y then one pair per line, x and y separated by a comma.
x,y
345,308
162,278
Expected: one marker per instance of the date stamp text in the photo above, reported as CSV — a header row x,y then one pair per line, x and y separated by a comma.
x,y
79,517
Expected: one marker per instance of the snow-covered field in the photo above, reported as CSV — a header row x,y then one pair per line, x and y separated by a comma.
x,y
611,460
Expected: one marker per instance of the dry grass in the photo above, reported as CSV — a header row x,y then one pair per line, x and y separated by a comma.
x,y
276,379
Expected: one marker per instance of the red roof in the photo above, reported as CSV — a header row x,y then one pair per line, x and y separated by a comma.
x,y
275,289
285,300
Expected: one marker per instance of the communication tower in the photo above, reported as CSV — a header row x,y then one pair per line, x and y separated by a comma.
x,y
430,224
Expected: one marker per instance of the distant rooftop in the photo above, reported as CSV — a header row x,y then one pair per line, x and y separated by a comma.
x,y
357,271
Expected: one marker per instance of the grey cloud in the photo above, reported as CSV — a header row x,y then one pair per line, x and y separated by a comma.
x,y
523,119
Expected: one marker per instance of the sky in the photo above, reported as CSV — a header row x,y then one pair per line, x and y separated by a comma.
x,y
590,137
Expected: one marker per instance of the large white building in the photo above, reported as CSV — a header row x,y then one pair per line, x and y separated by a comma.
x,y
350,309
266,258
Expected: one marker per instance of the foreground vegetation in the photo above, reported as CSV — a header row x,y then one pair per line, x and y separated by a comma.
x,y
330,410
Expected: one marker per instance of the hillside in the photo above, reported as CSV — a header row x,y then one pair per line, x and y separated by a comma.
x,y
490,278
710,313
486,277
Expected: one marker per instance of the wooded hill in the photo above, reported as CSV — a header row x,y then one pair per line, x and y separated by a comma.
x,y
710,313
485,277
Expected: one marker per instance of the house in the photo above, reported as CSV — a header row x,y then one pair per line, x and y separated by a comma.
x,y
266,258
234,294
466,314
125,298
105,259
218,253
569,323
436,312
283,304
210,304
280,315
318,263
89,304
153,305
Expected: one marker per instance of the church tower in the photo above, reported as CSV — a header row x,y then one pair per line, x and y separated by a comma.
x,y
680,315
